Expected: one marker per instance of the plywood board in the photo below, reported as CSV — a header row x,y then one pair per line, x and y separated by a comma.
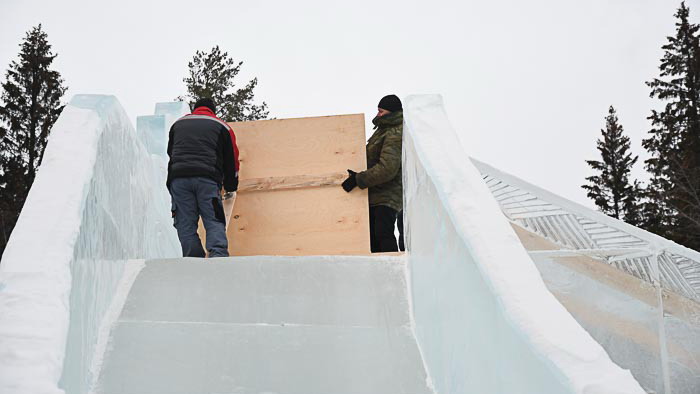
x,y
311,221
289,200
302,146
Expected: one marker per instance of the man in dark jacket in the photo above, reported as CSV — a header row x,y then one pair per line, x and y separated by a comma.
x,y
203,156
383,174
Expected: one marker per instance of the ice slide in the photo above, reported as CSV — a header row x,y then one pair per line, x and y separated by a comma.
x,y
636,293
94,299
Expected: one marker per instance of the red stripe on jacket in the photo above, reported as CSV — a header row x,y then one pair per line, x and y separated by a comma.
x,y
208,112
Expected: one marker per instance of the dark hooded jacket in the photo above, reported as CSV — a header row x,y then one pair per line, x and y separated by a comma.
x,y
383,174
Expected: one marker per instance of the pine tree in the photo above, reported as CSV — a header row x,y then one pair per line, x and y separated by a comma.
x,y
30,104
212,75
673,209
611,188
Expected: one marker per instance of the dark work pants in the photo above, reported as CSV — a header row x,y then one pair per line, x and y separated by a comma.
x,y
381,229
192,198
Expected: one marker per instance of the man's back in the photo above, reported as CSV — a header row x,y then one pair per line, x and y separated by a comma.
x,y
202,154
201,145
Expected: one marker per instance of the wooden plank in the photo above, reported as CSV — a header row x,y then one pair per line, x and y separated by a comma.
x,y
291,182
289,200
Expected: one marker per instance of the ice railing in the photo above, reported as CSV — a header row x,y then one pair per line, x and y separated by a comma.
x,y
642,298
484,320
99,199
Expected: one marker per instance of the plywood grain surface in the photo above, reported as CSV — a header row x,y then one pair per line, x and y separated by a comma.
x,y
302,146
290,201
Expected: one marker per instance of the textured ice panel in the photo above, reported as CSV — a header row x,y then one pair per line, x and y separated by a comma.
x,y
306,325
96,202
173,110
191,358
151,131
681,356
575,227
299,290
484,320
648,344
627,327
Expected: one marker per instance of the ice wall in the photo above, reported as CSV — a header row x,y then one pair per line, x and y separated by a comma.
x,y
153,129
625,322
636,293
484,320
97,201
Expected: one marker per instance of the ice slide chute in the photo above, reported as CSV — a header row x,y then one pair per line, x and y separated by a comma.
x,y
81,282
303,325
615,279
480,307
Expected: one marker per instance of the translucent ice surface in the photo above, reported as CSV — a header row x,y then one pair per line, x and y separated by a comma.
x,y
97,200
625,323
150,131
484,320
153,129
296,325
607,274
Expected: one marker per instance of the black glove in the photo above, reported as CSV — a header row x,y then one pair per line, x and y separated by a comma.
x,y
351,182
231,185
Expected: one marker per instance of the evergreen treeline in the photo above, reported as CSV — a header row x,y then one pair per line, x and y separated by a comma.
x,y
611,188
30,103
212,74
670,204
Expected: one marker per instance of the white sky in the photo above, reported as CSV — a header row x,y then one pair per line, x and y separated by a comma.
x,y
527,84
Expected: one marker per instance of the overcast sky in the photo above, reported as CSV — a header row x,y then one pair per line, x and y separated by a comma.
x,y
527,84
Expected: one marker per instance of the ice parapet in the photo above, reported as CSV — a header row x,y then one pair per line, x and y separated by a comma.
x,y
484,320
153,129
97,201
150,131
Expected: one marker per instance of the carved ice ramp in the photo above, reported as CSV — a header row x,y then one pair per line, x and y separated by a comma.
x,y
265,325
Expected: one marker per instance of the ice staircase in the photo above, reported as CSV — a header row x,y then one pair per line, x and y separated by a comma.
x,y
90,302
265,325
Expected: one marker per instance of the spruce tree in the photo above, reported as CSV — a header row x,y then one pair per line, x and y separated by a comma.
x,y
30,104
673,209
611,188
212,74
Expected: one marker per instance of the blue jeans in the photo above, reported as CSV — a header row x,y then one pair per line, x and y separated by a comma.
x,y
192,198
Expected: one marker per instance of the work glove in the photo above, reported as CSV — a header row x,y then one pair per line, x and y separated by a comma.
x,y
351,182
231,185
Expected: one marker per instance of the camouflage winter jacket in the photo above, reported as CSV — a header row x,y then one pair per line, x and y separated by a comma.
x,y
383,175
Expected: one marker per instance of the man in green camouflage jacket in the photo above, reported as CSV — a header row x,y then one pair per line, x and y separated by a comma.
x,y
383,174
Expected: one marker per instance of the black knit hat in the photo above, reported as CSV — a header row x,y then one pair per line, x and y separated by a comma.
x,y
206,102
390,103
